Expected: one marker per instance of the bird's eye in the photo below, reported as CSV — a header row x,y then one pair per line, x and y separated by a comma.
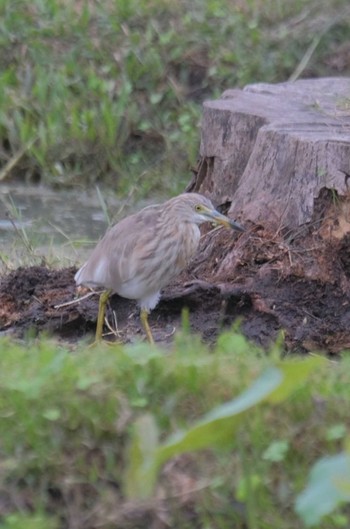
x,y
198,208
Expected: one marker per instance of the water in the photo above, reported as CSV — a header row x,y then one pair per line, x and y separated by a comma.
x,y
59,225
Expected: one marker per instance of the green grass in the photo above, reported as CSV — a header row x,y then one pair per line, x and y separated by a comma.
x,y
111,91
67,416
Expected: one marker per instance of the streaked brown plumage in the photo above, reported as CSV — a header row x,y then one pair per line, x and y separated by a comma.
x,y
142,253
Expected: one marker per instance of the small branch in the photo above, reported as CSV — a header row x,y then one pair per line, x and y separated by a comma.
x,y
77,300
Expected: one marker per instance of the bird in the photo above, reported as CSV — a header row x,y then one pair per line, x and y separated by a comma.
x,y
144,252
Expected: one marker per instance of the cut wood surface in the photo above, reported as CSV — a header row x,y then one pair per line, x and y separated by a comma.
x,y
270,149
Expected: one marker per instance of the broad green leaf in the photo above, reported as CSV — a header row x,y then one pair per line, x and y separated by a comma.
x,y
295,372
329,485
217,428
274,385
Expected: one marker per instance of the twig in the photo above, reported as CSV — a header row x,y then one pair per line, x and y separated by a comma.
x,y
77,300
114,331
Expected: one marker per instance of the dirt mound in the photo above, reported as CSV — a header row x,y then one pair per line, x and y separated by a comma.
x,y
296,282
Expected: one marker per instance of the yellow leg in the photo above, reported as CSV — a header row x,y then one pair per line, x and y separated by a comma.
x,y
145,325
101,314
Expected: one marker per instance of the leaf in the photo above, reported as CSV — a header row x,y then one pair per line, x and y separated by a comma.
x,y
142,468
295,372
155,98
276,451
218,426
84,382
335,432
329,485
52,414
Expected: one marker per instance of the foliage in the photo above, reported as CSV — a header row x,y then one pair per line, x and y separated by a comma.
x,y
217,428
111,91
232,431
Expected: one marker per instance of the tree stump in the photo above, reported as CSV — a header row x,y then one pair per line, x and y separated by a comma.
x,y
277,157
270,149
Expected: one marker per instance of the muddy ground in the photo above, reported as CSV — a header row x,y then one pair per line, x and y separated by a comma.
x,y
267,281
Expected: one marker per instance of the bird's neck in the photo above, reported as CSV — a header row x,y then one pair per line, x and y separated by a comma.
x,y
188,240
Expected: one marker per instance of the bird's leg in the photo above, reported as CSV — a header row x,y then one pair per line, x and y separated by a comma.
x,y
101,314
145,325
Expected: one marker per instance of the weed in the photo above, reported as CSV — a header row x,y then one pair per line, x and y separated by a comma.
x,y
108,91
67,416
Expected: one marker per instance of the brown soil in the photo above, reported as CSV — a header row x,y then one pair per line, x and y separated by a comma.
x,y
296,282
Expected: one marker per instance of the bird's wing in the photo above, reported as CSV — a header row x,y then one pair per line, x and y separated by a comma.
x,y
118,256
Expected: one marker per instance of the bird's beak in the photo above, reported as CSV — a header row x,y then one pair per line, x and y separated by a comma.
x,y
217,218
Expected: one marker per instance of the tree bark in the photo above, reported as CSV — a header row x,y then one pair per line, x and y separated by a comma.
x,y
270,149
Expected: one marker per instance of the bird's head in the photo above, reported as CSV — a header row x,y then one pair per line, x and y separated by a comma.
x,y
195,208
